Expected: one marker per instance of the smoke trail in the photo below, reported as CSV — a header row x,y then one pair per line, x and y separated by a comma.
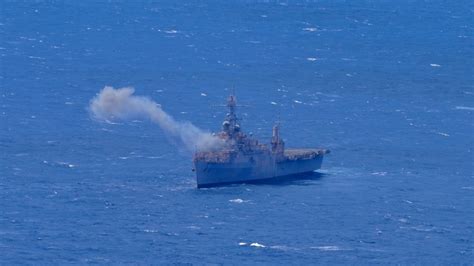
x,y
112,104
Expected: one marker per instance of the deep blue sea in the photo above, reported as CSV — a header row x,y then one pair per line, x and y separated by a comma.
x,y
387,86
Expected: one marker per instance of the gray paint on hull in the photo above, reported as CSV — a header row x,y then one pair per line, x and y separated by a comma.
x,y
213,174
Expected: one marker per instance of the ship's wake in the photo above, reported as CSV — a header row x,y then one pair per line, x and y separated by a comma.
x,y
121,104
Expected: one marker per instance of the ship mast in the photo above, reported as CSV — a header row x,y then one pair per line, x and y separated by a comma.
x,y
231,103
230,125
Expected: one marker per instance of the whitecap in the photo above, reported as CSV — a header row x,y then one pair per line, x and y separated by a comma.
x,y
328,248
257,245
155,157
238,200
310,29
65,164
111,123
203,94
274,103
60,164
150,231
419,228
36,57
328,95
296,101
443,134
193,227
311,59
403,220
242,244
283,248
379,173
465,108
435,65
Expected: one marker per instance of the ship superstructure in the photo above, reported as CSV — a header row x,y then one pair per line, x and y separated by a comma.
x,y
244,159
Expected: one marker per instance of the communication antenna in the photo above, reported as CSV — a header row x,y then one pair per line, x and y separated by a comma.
x,y
227,105
278,115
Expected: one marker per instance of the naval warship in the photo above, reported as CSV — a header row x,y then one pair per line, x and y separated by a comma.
x,y
244,160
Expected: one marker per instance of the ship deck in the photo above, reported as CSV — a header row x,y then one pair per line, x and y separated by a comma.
x,y
298,154
289,154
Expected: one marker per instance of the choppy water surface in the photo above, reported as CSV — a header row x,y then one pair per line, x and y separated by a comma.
x,y
388,87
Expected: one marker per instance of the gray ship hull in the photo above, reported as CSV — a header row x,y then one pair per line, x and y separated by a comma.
x,y
215,174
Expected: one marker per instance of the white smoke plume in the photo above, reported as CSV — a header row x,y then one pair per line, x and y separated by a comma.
x,y
113,104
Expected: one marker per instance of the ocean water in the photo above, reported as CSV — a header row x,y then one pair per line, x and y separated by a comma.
x,y
387,86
